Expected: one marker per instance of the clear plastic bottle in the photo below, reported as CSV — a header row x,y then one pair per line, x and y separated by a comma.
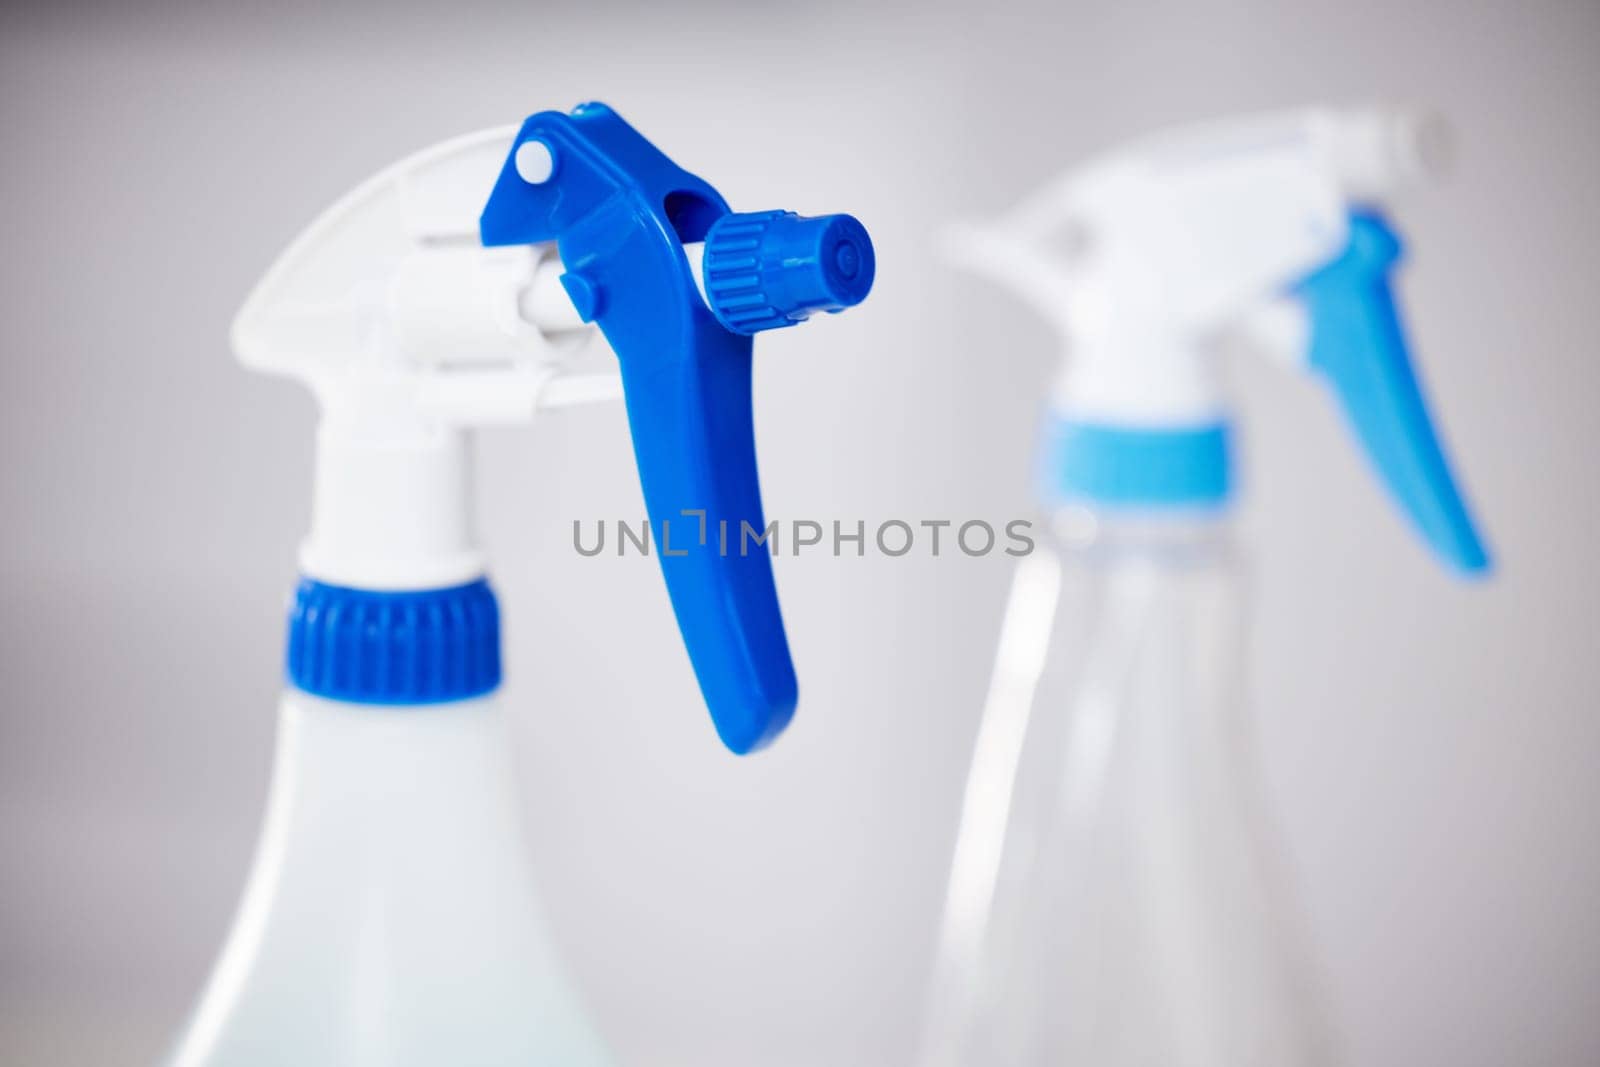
x,y
1116,895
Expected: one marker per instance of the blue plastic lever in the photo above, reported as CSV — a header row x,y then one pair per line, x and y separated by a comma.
x,y
1358,343
620,213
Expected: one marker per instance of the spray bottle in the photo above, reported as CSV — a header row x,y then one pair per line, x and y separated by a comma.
x,y
1115,897
391,916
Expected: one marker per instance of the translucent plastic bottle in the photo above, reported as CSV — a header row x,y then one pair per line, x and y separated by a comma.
x,y
392,916
1117,897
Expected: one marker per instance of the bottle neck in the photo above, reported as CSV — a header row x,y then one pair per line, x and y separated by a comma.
x,y
1179,537
361,646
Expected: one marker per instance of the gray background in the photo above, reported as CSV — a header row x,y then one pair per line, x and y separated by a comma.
x,y
1433,749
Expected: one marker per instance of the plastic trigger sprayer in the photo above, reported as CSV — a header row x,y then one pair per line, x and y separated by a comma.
x,y
1114,898
391,915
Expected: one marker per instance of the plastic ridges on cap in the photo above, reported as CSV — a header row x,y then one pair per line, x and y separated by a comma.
x,y
768,269
366,647
1135,467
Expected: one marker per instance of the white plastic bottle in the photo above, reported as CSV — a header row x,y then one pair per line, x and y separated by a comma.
x,y
1116,893
392,917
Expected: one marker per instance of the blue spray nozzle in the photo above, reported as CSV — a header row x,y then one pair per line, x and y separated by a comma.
x,y
1358,343
620,213
767,269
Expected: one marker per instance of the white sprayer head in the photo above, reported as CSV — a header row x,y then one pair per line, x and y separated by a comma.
x,y
1269,227
409,331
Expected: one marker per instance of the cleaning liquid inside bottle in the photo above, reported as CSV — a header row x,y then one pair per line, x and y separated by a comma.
x,y
1116,897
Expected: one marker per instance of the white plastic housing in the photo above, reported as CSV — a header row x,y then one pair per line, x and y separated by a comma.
x,y
1143,258
410,332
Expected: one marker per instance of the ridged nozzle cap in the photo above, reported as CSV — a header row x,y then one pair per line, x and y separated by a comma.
x,y
766,269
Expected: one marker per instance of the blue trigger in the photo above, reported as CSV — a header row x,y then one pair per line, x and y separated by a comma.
x,y
1358,343
620,213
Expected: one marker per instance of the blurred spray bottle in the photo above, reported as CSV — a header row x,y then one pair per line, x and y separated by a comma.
x,y
1114,896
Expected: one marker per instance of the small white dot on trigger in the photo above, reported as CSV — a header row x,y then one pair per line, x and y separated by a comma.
x,y
535,163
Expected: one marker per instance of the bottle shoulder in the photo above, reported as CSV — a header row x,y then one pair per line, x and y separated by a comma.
x,y
1179,542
